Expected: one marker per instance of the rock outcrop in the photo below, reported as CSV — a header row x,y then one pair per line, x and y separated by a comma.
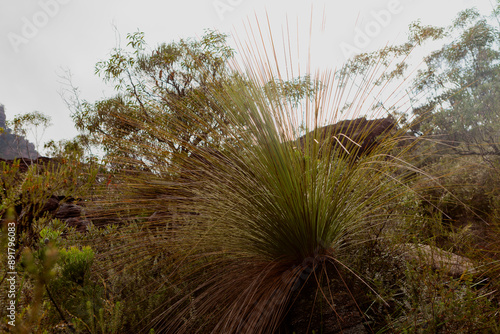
x,y
11,145
64,208
25,163
357,136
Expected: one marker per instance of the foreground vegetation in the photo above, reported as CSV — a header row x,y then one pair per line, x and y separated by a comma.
x,y
208,215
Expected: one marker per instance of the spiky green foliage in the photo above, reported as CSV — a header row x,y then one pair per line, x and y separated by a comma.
x,y
249,220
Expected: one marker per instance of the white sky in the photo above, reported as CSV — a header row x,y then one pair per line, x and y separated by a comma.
x,y
75,34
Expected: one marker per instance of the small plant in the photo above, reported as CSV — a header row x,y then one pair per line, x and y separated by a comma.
x,y
75,264
39,268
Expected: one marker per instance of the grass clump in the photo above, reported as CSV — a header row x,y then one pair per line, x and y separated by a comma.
x,y
252,217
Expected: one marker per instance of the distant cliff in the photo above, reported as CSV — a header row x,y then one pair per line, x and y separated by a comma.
x,y
12,146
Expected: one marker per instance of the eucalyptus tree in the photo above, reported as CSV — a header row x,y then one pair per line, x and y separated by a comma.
x,y
461,80
156,84
455,95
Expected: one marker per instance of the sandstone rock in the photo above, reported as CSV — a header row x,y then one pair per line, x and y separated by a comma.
x,y
12,145
350,136
51,204
439,259
68,210
78,223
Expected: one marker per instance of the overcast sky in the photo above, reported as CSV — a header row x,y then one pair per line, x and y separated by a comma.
x,y
40,39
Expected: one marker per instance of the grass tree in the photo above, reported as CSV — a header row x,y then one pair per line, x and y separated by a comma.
x,y
253,217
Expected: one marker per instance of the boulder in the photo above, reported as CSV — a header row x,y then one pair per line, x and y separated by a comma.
x,y
357,136
437,258
68,210
51,204
78,223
